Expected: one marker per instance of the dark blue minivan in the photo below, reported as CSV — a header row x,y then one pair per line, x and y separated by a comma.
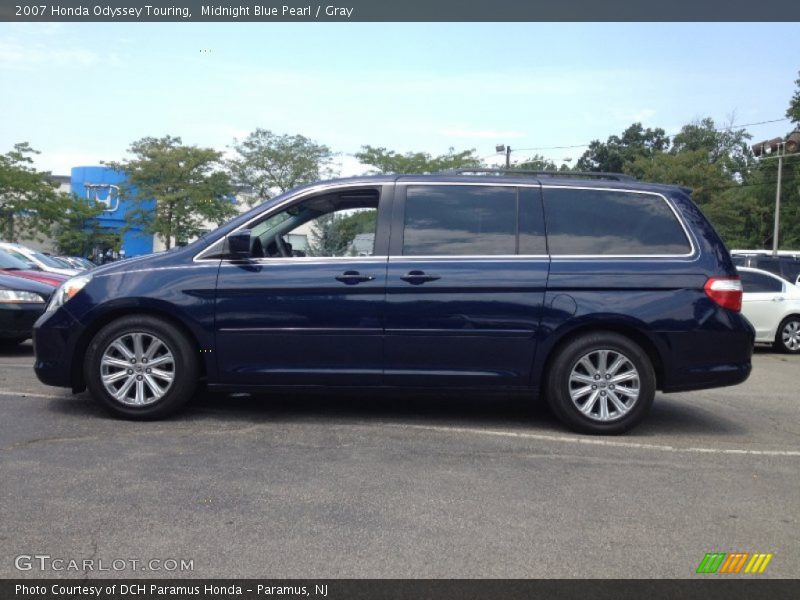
x,y
593,291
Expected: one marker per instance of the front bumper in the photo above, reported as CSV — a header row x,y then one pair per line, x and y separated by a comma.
x,y
17,319
55,336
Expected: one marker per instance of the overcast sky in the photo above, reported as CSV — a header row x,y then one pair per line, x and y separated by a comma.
x,y
81,93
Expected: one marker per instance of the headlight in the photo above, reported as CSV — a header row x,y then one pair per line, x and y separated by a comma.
x,y
20,297
67,290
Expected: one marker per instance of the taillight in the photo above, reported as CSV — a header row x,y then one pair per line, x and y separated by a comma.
x,y
725,291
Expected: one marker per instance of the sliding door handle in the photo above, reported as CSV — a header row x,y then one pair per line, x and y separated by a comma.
x,y
418,277
353,277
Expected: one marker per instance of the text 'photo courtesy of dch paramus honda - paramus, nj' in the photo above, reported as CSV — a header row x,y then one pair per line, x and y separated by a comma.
x,y
592,292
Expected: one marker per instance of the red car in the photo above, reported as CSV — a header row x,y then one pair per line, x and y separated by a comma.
x,y
10,265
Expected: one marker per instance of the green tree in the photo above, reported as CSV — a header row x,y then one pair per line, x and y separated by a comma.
x,y
536,163
80,231
793,112
269,163
726,147
30,203
390,162
790,189
618,152
186,183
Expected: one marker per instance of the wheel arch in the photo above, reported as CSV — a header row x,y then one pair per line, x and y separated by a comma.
x,y
96,324
630,330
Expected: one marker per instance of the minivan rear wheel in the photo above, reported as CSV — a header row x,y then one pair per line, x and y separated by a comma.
x,y
141,367
787,339
601,383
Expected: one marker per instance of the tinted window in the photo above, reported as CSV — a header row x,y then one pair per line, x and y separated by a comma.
x,y
790,268
768,264
757,282
599,222
739,261
460,220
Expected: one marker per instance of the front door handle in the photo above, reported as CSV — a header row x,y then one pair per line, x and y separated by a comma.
x,y
778,299
353,277
418,277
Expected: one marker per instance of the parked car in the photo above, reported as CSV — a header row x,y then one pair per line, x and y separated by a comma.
x,y
629,290
75,262
44,262
22,301
85,262
772,305
64,262
785,264
10,265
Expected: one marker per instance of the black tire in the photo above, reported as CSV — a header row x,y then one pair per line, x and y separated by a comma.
x,y
781,346
568,357
185,373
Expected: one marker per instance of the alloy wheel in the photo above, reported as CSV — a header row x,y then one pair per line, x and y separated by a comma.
x,y
604,385
790,335
137,369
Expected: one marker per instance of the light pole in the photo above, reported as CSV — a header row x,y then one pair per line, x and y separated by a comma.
x,y
507,150
777,148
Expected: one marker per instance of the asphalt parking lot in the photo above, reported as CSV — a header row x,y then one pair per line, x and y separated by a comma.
x,y
400,485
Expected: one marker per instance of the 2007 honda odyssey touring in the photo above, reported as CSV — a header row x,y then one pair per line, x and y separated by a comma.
x,y
593,291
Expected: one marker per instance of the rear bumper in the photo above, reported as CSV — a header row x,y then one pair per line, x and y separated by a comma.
x,y
710,377
54,337
716,358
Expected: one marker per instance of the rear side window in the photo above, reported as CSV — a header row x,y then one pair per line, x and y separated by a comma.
x,y
791,269
753,283
767,264
608,222
460,220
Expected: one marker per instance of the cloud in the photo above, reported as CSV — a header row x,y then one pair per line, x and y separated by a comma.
x,y
60,162
642,115
25,48
23,55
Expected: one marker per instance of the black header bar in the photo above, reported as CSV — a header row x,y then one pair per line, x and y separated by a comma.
x,y
711,587
398,10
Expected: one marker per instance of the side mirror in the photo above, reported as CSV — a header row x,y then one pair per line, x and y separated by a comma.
x,y
239,244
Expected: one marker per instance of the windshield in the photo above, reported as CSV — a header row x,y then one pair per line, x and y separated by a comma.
x,y
21,257
8,261
50,262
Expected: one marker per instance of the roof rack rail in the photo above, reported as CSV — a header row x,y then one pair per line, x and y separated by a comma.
x,y
588,174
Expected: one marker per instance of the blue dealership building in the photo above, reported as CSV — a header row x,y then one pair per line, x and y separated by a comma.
x,y
102,185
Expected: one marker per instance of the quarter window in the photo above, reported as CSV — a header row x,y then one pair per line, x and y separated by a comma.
x,y
608,222
460,220
754,283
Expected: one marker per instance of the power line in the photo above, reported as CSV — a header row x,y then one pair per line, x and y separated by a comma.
x,y
740,126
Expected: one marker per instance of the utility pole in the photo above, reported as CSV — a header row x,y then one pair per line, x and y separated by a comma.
x,y
778,148
777,207
507,150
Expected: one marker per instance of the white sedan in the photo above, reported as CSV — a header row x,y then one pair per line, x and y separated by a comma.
x,y
772,305
37,259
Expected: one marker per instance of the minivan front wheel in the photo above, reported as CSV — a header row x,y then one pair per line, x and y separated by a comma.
x,y
141,367
601,383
